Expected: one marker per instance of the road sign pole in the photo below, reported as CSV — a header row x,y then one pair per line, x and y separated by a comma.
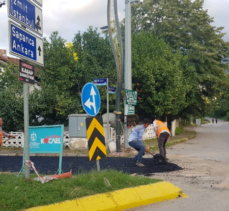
x,y
26,128
128,63
107,114
98,166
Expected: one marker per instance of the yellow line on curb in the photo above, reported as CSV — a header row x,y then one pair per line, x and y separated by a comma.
x,y
120,199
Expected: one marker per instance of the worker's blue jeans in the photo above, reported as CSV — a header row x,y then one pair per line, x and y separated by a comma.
x,y
139,146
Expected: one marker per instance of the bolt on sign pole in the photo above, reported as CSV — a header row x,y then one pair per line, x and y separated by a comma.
x,y
115,38
26,128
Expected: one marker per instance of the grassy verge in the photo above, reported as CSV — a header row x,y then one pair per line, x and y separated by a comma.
x,y
173,140
17,194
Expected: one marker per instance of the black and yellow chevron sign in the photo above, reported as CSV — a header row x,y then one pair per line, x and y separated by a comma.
x,y
96,138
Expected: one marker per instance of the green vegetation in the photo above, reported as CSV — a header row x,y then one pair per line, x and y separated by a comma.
x,y
177,68
173,140
17,194
179,130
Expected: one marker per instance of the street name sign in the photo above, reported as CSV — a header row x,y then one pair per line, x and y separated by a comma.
x,y
131,97
26,72
112,90
96,138
90,99
26,13
25,45
100,82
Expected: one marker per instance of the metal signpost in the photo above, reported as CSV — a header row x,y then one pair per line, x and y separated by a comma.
x,y
115,38
91,102
104,82
27,14
26,72
27,46
128,58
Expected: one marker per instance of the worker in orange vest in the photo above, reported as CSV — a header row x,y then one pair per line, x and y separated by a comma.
x,y
2,133
163,135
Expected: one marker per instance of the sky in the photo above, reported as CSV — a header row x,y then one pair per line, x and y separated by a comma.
x,y
70,16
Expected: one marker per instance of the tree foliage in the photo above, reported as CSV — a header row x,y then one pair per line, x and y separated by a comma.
x,y
187,28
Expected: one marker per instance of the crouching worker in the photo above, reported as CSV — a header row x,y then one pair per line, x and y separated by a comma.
x,y
135,141
163,135
2,133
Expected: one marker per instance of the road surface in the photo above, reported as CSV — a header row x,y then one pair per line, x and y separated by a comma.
x,y
205,174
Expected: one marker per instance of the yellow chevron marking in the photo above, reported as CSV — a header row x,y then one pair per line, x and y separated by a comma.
x,y
98,158
100,145
94,124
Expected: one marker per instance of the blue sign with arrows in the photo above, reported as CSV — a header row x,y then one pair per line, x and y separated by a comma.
x,y
27,14
25,45
91,99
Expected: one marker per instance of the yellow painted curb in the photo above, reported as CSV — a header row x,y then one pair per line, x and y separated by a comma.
x,y
120,199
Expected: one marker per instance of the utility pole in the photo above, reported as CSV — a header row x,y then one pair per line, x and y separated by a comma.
x,y
128,62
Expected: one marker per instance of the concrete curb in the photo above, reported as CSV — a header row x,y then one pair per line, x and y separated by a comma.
x,y
120,199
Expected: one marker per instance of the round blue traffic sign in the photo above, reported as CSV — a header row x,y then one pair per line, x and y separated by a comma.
x,y
90,99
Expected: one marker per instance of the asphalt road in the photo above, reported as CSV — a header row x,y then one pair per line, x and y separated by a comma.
x,y
205,174
49,165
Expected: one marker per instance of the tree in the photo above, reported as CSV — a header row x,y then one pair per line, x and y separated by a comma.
x,y
11,95
158,76
58,97
186,27
95,60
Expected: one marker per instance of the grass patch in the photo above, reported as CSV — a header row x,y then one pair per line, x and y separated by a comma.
x,y
18,194
179,130
173,141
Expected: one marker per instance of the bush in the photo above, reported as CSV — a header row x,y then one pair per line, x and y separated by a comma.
x,y
179,130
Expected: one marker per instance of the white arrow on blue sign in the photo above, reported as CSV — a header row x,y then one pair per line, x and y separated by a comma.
x,y
91,99
25,45
27,14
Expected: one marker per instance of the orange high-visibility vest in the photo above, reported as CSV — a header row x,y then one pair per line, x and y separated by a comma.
x,y
1,135
160,127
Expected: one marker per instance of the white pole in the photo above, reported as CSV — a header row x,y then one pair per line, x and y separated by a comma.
x,y
98,166
128,62
107,114
26,128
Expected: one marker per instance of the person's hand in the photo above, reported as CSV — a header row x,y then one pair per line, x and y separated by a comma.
x,y
146,149
11,136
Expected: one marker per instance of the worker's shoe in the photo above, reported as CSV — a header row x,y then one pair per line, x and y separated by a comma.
x,y
139,164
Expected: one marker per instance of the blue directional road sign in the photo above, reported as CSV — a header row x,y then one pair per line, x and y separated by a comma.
x,y
27,14
91,99
25,45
